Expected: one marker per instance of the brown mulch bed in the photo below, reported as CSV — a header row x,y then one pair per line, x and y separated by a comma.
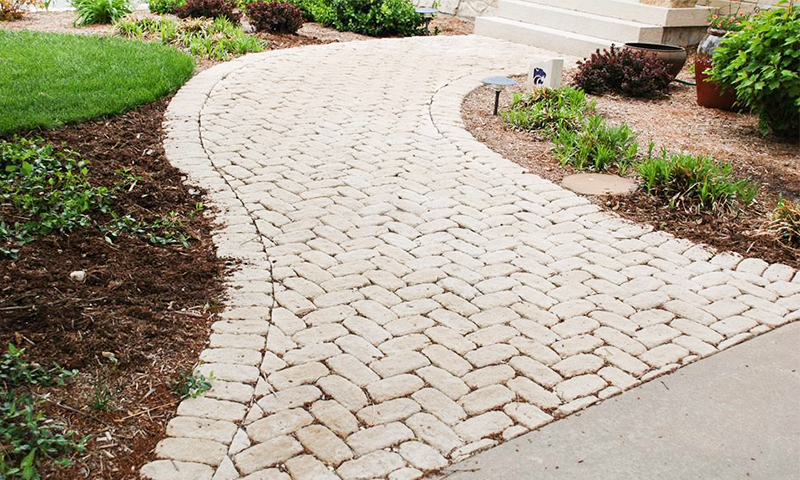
x,y
677,123
147,306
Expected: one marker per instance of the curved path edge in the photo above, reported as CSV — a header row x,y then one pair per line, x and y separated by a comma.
x,y
212,436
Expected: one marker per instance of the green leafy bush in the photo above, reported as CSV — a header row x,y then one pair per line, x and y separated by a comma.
x,y
695,182
785,223
209,9
548,110
100,11
378,18
273,16
27,438
596,146
623,71
15,9
163,7
761,63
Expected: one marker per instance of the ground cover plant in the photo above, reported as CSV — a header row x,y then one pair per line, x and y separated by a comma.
x,y
118,323
217,39
91,12
27,437
623,71
761,63
50,79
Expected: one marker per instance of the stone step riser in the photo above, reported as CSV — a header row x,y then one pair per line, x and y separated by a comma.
x,y
578,22
557,40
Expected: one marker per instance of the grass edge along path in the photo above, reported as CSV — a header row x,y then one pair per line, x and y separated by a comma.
x,y
50,79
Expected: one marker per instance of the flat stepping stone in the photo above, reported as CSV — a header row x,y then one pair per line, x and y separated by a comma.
x,y
599,184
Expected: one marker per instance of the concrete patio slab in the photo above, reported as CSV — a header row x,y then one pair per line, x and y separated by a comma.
x,y
734,415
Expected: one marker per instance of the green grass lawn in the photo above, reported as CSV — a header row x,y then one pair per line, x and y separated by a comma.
x,y
49,79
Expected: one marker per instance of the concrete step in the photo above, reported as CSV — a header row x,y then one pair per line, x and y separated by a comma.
x,y
632,10
568,43
588,24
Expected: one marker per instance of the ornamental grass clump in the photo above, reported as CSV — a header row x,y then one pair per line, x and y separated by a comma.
x,y
695,182
623,71
92,12
761,64
784,223
548,111
217,39
597,146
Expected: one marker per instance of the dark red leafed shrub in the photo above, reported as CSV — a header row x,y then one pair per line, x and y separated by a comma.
x,y
623,71
278,17
209,9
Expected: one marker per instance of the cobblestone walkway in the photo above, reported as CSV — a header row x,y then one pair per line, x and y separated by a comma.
x,y
407,297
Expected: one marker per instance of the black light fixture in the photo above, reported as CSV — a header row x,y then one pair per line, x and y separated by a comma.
x,y
498,83
427,13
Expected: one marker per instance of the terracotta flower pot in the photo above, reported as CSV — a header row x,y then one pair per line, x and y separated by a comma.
x,y
709,92
673,55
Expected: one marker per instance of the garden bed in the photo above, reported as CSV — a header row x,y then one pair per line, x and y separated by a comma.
x,y
141,316
675,122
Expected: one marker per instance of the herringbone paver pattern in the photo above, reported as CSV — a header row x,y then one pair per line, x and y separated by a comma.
x,y
407,297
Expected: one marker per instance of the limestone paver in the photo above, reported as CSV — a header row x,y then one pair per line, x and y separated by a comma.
x,y
406,297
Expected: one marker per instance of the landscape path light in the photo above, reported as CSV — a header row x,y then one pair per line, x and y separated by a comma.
x,y
498,83
427,13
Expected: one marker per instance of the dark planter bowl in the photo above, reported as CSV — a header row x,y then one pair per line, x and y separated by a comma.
x,y
673,55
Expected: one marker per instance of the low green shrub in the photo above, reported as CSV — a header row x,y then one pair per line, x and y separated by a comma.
x,y
597,146
785,223
377,18
28,438
209,9
15,9
695,182
549,111
761,63
163,7
623,71
274,16
100,11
